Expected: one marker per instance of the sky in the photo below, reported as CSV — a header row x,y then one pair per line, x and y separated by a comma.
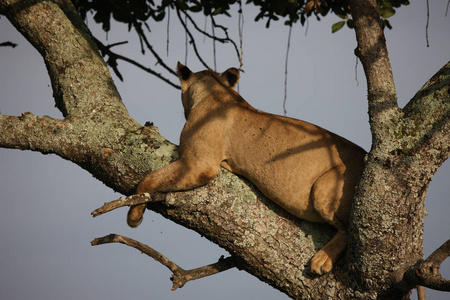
x,y
45,220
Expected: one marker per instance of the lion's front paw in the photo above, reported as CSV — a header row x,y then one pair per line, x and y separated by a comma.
x,y
321,263
135,215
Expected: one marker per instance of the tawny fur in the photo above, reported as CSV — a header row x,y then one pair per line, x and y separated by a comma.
x,y
305,169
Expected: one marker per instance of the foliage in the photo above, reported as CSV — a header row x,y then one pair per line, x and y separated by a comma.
x,y
139,14
135,12
386,10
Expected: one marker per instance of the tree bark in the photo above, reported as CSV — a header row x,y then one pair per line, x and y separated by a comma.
x,y
409,145
98,134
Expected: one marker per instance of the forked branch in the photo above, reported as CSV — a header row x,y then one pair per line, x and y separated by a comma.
x,y
226,39
180,276
426,273
114,57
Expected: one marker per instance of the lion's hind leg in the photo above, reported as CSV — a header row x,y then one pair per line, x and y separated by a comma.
x,y
332,195
322,262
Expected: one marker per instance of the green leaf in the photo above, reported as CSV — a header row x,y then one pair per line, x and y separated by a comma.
x,y
182,5
388,24
336,26
344,17
350,24
159,17
196,8
387,12
217,11
386,4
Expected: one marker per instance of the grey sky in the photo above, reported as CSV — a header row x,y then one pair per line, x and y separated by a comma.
x,y
46,202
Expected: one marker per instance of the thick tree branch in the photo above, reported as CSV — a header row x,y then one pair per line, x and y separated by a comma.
x,y
426,132
372,51
399,157
180,276
384,218
81,81
95,117
30,132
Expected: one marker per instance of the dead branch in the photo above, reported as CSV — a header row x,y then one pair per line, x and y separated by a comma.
x,y
421,293
191,37
114,57
126,201
426,273
143,37
180,276
215,38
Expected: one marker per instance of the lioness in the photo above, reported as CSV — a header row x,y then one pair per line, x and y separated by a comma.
x,y
305,169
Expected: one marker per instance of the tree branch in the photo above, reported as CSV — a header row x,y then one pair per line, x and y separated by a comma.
x,y
126,201
213,37
180,276
191,37
379,215
142,36
426,130
81,82
112,62
30,132
108,143
426,273
372,51
8,44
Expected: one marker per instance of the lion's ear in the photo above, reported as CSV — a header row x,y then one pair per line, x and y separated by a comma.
x,y
183,72
231,77
185,75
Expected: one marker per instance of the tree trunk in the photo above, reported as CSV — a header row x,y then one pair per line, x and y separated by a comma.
x,y
408,147
98,134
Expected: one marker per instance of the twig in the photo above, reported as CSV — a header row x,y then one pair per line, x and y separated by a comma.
x,y
180,276
125,201
168,30
426,273
194,45
186,39
241,34
140,32
428,21
421,293
213,36
286,69
113,57
8,44
213,26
